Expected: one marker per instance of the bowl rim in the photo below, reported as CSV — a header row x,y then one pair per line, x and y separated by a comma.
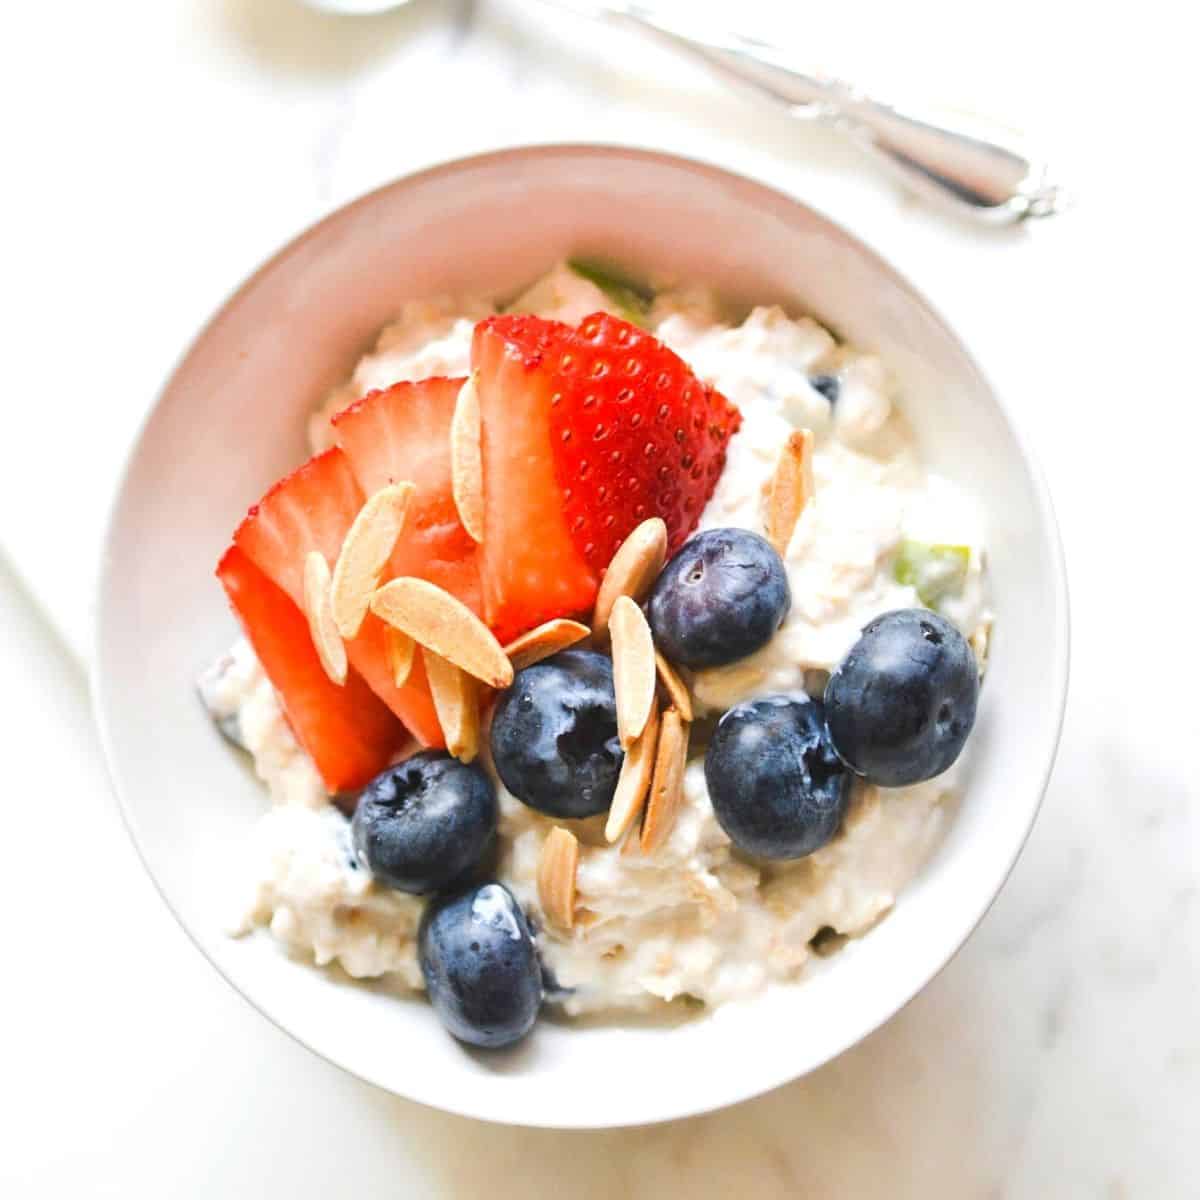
x,y
770,1078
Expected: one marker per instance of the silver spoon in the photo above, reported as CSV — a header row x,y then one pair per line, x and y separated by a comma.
x,y
981,172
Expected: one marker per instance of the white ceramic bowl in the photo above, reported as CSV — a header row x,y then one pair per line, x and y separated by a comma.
x,y
231,420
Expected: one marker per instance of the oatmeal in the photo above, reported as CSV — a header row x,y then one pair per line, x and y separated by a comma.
x,y
696,917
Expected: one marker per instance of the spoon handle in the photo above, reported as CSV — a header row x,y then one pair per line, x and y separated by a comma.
x,y
983,172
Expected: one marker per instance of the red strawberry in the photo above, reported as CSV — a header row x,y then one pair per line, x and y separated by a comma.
x,y
349,733
311,509
530,567
413,703
586,433
404,433
636,435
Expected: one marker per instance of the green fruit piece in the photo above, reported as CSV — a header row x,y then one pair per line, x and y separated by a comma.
x,y
934,569
631,301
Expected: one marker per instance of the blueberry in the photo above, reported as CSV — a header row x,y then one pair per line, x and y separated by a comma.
x,y
481,965
777,786
554,735
425,822
903,700
719,599
828,385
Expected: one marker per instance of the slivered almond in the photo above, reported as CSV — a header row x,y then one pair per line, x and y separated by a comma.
x,y
556,876
790,489
400,652
544,641
634,780
466,460
633,668
456,702
666,789
367,546
676,690
445,625
331,650
635,566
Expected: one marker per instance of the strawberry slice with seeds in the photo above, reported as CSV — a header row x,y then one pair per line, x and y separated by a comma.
x,y
348,732
530,566
403,433
311,509
586,433
635,435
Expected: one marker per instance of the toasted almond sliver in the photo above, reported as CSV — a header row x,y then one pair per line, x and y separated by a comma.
x,y
466,460
790,489
445,625
634,675
635,566
401,650
331,650
367,546
556,876
666,789
634,780
544,641
456,702
676,690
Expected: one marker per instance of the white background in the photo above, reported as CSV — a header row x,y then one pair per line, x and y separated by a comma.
x,y
157,151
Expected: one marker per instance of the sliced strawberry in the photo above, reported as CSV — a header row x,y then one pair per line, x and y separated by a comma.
x,y
531,568
404,433
586,433
311,509
413,703
348,732
636,435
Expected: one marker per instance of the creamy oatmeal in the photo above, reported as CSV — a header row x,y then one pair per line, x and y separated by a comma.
x,y
695,918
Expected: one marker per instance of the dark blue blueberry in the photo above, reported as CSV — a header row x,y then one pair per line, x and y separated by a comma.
x,y
425,822
481,965
554,735
903,700
777,786
828,385
719,599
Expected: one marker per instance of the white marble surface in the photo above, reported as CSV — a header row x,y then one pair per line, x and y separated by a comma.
x,y
162,148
